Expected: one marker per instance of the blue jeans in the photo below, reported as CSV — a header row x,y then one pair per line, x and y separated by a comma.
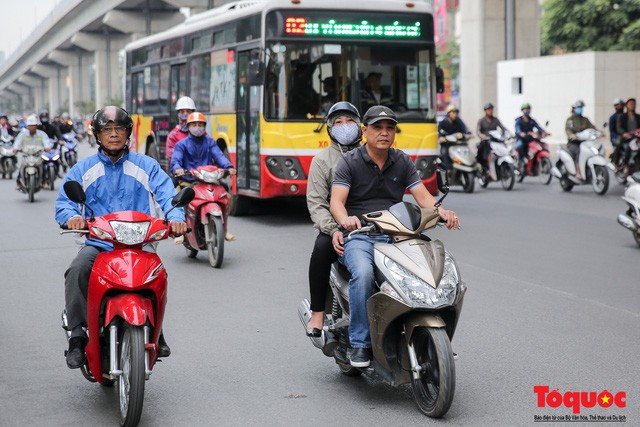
x,y
358,258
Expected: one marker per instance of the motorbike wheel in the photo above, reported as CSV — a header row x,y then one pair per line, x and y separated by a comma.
x,y
507,176
31,187
434,391
522,169
8,168
51,177
600,180
215,247
72,160
636,236
468,181
131,381
544,170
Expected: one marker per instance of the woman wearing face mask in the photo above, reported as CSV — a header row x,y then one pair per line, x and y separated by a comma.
x,y
199,149
184,107
343,126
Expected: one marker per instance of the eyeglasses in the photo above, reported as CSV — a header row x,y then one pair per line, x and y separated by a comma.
x,y
110,129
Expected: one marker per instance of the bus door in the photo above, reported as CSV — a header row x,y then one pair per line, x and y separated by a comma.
x,y
248,126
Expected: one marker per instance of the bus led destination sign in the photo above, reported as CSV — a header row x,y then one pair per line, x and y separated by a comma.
x,y
297,26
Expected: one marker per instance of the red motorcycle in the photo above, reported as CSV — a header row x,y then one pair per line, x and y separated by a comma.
x,y
538,162
126,301
207,214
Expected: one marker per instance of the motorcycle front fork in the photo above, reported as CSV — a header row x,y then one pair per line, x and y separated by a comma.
x,y
114,353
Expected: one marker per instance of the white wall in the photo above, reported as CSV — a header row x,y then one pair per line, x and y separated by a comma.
x,y
552,83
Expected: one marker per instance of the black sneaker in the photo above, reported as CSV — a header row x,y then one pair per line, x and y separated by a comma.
x,y
75,355
164,350
360,357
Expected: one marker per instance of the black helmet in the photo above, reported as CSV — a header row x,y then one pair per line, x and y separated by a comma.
x,y
347,109
44,116
114,114
487,106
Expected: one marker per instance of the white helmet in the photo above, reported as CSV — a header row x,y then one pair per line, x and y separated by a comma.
x,y
32,120
185,103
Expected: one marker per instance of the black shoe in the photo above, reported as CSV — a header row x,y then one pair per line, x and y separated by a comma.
x,y
75,355
360,357
164,350
314,332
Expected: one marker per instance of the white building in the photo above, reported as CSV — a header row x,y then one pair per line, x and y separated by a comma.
x,y
552,83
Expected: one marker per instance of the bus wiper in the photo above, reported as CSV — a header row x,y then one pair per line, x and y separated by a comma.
x,y
320,126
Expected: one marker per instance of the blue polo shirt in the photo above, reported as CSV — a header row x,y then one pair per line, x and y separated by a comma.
x,y
372,189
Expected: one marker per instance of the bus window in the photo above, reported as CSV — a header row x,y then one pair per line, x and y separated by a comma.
x,y
303,81
400,79
200,83
152,87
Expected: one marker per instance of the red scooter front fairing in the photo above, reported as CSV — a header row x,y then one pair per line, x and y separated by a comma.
x,y
128,282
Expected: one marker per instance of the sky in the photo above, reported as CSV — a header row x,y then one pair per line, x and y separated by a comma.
x,y
21,17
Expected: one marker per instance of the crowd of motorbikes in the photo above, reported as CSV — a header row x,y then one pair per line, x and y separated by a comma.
x,y
413,314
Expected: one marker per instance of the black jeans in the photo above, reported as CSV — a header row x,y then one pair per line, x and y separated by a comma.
x,y
322,257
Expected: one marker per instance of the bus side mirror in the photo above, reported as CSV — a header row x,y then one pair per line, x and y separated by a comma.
x,y
439,80
256,72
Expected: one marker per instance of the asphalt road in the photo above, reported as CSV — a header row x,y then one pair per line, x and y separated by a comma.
x,y
552,301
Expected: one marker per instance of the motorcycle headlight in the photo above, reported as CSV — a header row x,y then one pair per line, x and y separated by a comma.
x,y
208,176
56,157
419,292
130,233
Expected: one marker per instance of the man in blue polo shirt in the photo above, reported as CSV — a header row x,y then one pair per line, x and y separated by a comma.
x,y
370,178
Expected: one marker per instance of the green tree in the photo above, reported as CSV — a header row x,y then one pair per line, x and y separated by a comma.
x,y
449,59
599,25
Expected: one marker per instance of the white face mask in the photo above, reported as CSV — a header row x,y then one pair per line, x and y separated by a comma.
x,y
346,134
196,130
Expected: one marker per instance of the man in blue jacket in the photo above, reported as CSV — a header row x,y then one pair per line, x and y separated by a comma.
x,y
113,179
199,149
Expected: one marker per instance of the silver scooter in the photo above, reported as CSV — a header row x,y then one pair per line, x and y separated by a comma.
x,y
413,312
631,218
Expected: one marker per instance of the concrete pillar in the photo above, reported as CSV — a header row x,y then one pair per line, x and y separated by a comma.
x,y
45,72
108,79
77,70
483,43
56,89
31,83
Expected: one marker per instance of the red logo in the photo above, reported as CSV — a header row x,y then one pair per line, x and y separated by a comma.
x,y
579,399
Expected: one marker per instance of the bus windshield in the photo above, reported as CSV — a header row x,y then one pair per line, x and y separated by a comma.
x,y
304,80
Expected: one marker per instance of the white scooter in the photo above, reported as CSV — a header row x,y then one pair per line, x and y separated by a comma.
x,y
502,166
591,164
631,219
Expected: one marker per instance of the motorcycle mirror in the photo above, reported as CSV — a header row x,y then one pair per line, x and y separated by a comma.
x,y
183,197
74,191
443,184
546,123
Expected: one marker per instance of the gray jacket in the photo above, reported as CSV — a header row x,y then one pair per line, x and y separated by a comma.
x,y
319,188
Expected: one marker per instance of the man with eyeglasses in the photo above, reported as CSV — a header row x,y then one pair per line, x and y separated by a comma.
x,y
113,179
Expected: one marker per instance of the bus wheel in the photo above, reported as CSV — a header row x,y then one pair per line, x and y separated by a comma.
x,y
240,205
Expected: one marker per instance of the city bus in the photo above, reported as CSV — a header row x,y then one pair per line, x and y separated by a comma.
x,y
264,73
